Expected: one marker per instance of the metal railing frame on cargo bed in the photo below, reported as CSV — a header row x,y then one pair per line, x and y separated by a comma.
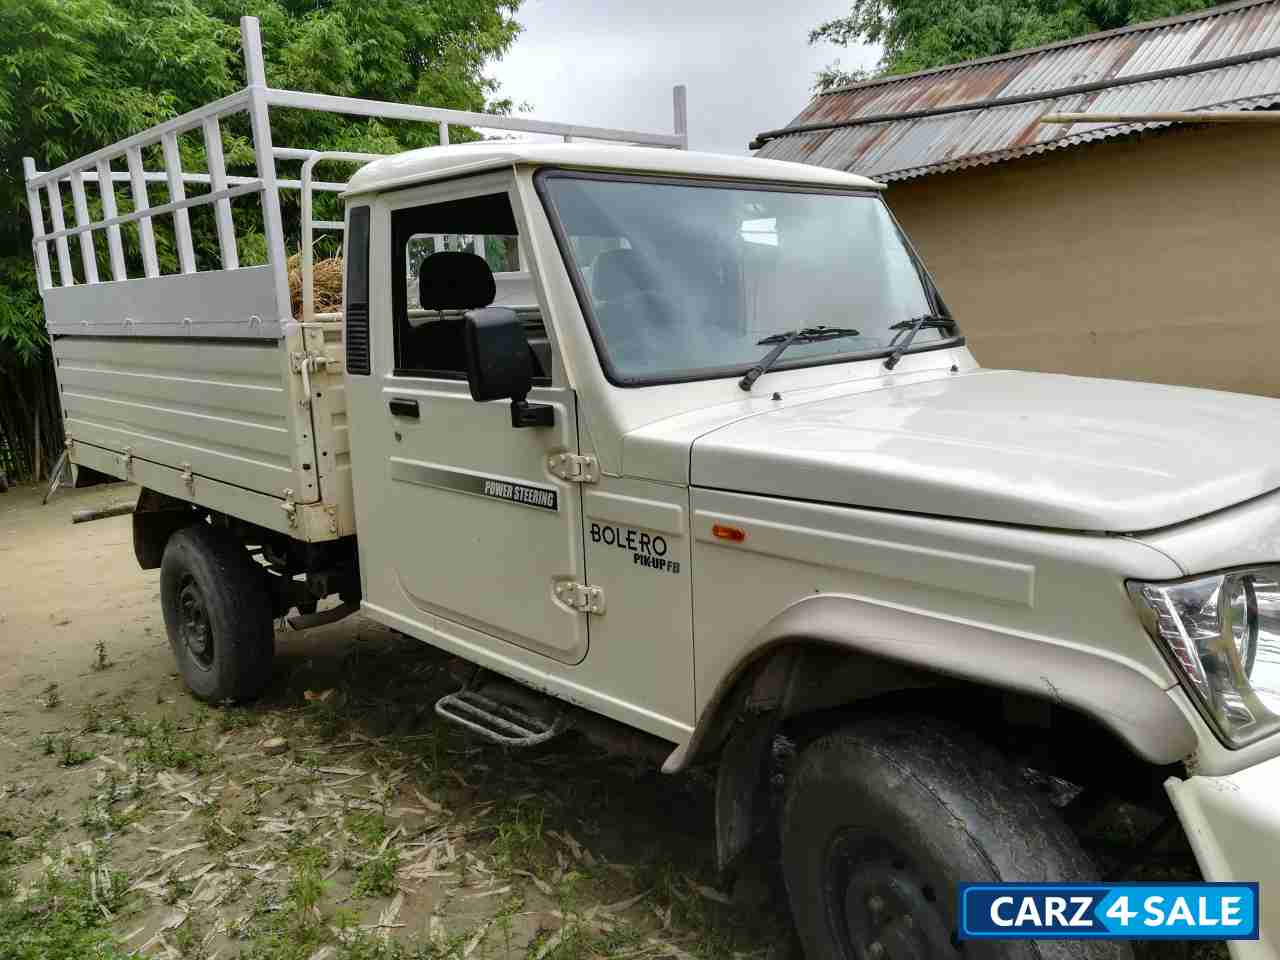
x,y
256,99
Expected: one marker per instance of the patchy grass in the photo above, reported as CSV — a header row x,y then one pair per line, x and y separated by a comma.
x,y
100,661
377,877
520,843
69,755
92,718
368,828
50,698
223,832
232,718
164,747
62,918
291,927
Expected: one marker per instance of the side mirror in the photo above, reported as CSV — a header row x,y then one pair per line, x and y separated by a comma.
x,y
500,364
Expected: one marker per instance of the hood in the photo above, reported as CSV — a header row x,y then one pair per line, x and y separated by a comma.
x,y
1025,448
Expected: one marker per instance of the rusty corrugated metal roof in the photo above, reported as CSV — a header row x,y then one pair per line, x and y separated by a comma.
x,y
1224,57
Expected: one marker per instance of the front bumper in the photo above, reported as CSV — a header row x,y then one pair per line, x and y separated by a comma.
x,y
1233,824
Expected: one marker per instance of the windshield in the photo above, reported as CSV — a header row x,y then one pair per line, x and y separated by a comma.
x,y
684,281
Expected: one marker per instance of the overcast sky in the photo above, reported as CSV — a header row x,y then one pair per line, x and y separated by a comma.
x,y
747,63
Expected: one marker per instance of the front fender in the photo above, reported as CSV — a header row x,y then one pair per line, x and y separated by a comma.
x,y
1119,694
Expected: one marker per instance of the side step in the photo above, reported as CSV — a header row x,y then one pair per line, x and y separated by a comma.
x,y
500,721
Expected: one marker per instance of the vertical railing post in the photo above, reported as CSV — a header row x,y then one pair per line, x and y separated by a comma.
x,y
54,192
178,193
308,238
444,134
115,249
88,255
680,111
260,121
36,206
217,165
146,236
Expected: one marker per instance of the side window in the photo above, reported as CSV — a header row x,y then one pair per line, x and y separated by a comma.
x,y
500,252
448,258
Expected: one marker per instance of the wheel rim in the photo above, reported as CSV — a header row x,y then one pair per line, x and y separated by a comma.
x,y
880,905
194,630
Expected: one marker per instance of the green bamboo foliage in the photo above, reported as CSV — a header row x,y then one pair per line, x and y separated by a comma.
x,y
79,74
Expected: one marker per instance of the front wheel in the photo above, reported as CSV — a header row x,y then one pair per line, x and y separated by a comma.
x,y
885,818
217,612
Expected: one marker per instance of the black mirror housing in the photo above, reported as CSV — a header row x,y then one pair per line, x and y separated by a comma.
x,y
499,364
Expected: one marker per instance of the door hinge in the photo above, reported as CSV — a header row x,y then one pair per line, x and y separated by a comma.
x,y
289,507
574,467
580,596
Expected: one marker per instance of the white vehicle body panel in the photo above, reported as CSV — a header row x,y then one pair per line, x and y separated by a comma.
x,y
440,548
639,553
1232,824
993,604
1032,449
419,166
231,304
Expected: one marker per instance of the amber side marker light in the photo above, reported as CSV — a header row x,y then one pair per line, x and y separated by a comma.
x,y
722,531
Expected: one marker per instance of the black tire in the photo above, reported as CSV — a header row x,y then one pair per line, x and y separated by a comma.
x,y
217,612
883,820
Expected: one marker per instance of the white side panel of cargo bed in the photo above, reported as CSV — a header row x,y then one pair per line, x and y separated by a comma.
x,y
223,408
227,304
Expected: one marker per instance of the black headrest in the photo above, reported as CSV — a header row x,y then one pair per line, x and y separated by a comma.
x,y
453,280
615,273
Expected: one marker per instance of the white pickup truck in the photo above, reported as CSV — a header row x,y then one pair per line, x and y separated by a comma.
x,y
692,445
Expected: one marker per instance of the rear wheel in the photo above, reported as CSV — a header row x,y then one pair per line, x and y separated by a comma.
x,y
885,818
217,612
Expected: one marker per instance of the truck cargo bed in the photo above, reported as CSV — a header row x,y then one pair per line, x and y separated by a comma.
x,y
208,382
232,411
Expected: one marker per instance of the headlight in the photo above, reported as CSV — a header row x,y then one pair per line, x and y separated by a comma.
x,y
1222,634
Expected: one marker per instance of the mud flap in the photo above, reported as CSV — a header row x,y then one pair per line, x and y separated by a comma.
x,y
742,785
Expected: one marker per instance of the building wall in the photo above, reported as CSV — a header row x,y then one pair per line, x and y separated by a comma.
x,y
1155,258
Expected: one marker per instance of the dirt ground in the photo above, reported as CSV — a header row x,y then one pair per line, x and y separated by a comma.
x,y
374,832
374,822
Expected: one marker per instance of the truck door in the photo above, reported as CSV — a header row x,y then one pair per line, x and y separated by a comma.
x,y
465,533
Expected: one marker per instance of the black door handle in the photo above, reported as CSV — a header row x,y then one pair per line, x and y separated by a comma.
x,y
404,408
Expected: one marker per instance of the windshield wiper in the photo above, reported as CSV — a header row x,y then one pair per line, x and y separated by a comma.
x,y
928,320
914,326
786,339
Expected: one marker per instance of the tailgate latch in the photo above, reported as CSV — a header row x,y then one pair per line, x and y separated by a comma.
x,y
306,363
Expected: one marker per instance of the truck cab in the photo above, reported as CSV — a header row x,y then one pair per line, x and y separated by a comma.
x,y
642,284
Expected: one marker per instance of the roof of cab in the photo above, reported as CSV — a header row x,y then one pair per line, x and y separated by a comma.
x,y
433,163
